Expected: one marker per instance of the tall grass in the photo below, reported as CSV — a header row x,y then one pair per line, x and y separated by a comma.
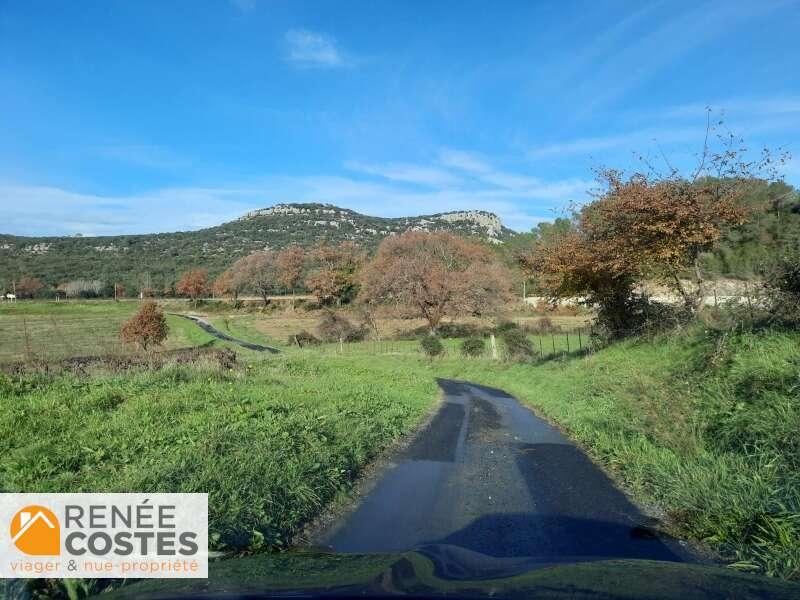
x,y
271,442
704,424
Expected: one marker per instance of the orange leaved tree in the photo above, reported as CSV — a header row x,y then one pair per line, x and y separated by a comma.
x,y
333,278
147,327
28,287
289,265
433,275
193,284
257,272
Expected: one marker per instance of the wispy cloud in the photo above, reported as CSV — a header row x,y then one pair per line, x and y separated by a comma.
x,y
244,5
313,49
607,78
684,124
410,173
748,107
142,155
396,189
42,210
630,141
464,161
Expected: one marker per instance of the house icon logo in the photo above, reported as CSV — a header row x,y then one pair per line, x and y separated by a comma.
x,y
35,531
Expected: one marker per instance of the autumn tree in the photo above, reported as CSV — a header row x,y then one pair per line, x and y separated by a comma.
x,y
193,284
28,287
119,290
256,271
289,266
646,226
570,266
229,283
659,228
434,275
147,327
333,278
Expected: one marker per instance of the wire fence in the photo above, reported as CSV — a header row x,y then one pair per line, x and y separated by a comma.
x,y
545,346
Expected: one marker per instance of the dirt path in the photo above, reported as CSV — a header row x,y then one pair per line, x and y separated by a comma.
x,y
489,476
209,328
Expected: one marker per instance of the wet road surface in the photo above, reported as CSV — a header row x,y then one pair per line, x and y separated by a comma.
x,y
209,328
489,476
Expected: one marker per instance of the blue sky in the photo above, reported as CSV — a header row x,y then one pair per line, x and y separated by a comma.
x,y
138,116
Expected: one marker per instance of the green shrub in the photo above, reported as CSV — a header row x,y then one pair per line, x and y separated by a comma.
x,y
517,345
504,326
431,346
545,325
473,346
303,338
782,285
335,327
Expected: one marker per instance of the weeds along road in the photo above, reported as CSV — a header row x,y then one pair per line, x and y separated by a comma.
x,y
209,328
488,475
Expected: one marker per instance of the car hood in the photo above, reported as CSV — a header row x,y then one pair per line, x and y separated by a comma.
x,y
441,570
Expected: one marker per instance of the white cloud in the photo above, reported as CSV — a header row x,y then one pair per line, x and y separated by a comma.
x,y
464,161
679,34
312,49
630,141
35,210
143,155
750,107
40,210
244,5
410,173
397,190
679,130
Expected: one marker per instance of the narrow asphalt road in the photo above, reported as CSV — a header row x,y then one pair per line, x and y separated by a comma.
x,y
209,328
489,476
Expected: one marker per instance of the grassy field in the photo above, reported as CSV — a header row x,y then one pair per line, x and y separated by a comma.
x,y
699,423
271,442
51,331
55,330
276,328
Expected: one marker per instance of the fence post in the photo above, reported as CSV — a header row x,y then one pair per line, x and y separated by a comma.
x,y
541,348
580,341
493,346
567,334
553,337
28,349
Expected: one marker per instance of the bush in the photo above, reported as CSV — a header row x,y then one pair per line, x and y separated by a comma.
x,y
445,331
473,346
504,326
545,325
303,338
782,285
148,326
335,327
431,346
517,345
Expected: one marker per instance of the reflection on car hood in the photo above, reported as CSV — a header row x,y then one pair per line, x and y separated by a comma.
x,y
441,570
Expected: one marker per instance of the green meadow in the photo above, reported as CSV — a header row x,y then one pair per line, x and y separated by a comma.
x,y
700,423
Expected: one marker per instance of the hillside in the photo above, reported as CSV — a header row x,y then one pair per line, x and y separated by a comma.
x,y
160,257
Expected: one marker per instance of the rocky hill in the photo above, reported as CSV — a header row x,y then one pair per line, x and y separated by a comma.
x,y
160,257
